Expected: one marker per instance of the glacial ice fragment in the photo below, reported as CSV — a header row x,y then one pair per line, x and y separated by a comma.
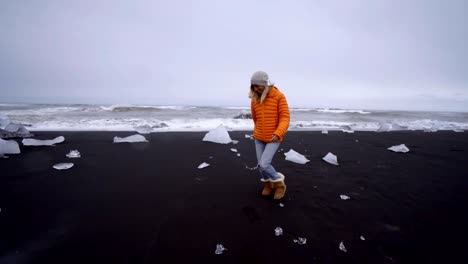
x,y
218,135
331,158
73,154
63,166
342,247
278,231
344,197
219,249
130,139
300,240
203,165
37,142
294,156
9,147
399,148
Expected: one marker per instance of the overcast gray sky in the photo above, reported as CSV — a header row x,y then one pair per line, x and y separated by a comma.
x,y
366,54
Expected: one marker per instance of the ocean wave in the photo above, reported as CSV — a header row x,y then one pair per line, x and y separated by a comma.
x,y
342,111
128,108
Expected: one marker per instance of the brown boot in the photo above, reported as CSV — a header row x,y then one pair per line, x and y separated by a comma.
x,y
280,187
267,188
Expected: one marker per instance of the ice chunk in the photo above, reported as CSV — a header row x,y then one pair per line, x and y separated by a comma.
x,y
362,238
330,158
399,148
281,205
324,131
37,142
238,154
74,154
235,141
4,120
63,166
342,247
9,147
293,156
145,129
384,127
219,249
344,197
346,129
278,231
300,240
218,135
249,136
130,139
234,150
14,130
203,165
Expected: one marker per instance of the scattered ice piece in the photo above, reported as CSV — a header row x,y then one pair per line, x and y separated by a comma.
x,y
74,154
344,197
278,231
331,158
234,150
37,142
218,135
210,157
203,165
357,140
281,205
459,130
300,240
14,130
130,139
342,247
145,129
362,238
238,154
235,141
293,156
324,131
399,148
346,129
9,147
251,168
63,166
249,136
219,249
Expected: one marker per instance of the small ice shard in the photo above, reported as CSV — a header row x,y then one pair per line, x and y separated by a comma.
x,y
238,154
145,129
324,131
399,148
362,238
210,157
281,205
219,249
9,147
63,166
293,156
218,135
342,247
203,165
330,158
344,197
300,240
234,150
74,154
235,141
251,168
278,231
357,140
130,139
249,136
346,129
37,142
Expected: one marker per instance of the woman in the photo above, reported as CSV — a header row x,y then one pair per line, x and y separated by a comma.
x,y
270,114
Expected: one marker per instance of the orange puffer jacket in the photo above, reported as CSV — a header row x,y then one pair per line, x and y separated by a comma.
x,y
270,117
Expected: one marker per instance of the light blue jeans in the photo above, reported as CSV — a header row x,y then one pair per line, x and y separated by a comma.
x,y
265,152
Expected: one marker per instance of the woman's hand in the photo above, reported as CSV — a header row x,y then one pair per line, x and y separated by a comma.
x,y
274,138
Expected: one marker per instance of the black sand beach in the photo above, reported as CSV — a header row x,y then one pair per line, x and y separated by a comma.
x,y
148,202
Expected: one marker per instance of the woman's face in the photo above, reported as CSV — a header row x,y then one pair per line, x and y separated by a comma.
x,y
258,88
